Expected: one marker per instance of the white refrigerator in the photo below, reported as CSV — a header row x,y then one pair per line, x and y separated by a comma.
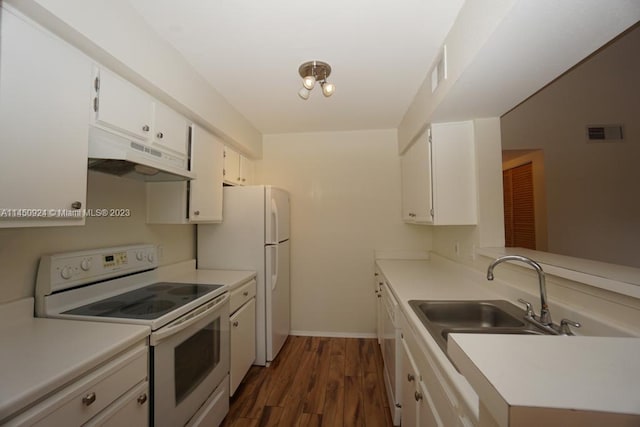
x,y
254,235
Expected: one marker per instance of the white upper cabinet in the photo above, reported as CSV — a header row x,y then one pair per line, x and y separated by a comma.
x,y
416,182
247,170
195,201
238,169
122,107
45,91
232,166
439,176
207,153
171,130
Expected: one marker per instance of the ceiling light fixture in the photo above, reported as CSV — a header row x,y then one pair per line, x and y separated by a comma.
x,y
312,72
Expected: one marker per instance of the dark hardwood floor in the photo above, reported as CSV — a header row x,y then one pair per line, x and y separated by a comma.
x,y
315,381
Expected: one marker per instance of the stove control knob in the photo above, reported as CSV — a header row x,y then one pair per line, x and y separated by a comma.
x,y
66,272
85,265
150,256
140,256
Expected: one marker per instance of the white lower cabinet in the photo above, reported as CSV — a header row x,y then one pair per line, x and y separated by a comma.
x,y
427,397
132,409
117,390
378,282
417,406
242,326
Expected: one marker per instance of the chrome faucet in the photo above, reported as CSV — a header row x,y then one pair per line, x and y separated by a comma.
x,y
545,315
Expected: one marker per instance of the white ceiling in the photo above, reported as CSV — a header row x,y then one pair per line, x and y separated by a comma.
x,y
250,50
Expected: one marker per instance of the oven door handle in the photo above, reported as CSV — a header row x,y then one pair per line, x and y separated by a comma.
x,y
189,319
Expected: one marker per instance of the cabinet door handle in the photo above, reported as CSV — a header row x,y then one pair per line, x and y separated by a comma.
x,y
76,205
245,293
142,399
196,212
145,128
410,377
160,135
89,399
418,396
235,324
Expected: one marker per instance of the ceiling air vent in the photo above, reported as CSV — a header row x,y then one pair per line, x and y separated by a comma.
x,y
604,133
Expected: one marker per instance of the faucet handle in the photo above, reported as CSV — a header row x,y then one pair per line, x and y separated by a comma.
x,y
564,326
528,307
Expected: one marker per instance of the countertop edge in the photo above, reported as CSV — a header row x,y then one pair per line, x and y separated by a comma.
x,y
31,396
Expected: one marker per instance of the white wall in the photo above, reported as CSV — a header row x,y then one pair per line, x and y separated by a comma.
x,y
345,203
592,188
21,248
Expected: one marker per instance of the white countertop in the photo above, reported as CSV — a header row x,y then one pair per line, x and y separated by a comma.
x,y
595,373
577,373
38,355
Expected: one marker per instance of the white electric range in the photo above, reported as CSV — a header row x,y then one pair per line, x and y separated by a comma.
x,y
189,341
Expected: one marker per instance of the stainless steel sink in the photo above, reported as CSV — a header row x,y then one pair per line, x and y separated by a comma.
x,y
442,318
481,314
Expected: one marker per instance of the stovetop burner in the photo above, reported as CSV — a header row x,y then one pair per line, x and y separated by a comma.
x,y
149,302
148,307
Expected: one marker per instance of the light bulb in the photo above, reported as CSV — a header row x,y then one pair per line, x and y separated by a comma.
x,y
328,89
304,93
309,82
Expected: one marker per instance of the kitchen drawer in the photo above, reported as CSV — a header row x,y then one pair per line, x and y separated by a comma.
x,y
86,397
241,295
130,410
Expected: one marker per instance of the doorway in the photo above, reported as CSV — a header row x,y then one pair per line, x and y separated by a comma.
x,y
525,221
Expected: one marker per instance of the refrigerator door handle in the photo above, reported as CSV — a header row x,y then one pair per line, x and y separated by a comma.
x,y
275,219
274,268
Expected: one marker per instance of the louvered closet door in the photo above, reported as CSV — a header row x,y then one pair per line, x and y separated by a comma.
x,y
519,207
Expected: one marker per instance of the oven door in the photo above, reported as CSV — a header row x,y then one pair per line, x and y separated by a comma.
x,y
190,358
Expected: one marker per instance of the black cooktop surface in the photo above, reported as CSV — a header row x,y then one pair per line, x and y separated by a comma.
x,y
149,302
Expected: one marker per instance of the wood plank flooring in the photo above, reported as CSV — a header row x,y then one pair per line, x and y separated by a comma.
x,y
315,381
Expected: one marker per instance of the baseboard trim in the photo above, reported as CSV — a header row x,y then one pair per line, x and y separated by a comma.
x,y
333,334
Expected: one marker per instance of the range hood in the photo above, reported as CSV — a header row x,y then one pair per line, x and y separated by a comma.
x,y
113,154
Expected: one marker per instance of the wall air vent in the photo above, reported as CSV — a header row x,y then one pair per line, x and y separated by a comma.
x,y
604,133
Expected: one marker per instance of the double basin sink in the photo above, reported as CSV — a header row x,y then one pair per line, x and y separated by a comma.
x,y
442,318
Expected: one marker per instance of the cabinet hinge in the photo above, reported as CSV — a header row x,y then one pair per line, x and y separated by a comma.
x,y
95,104
224,172
96,84
431,212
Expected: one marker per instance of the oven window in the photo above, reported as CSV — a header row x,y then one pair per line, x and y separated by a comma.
x,y
195,358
